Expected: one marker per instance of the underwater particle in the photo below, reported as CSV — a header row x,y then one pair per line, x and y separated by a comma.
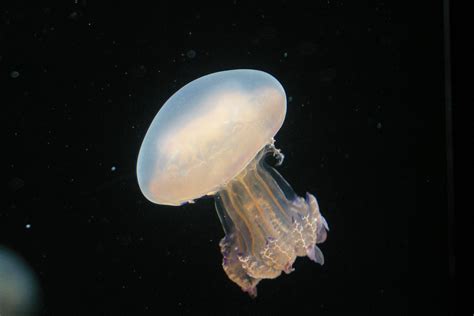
x,y
285,54
19,290
16,184
379,125
212,138
28,226
113,168
191,54
138,71
14,74
74,15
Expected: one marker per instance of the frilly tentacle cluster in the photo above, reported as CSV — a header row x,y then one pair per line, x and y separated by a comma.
x,y
267,225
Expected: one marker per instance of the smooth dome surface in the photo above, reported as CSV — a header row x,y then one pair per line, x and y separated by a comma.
x,y
208,132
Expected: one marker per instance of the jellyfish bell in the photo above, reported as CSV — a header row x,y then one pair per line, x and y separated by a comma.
x,y
207,132
211,138
19,288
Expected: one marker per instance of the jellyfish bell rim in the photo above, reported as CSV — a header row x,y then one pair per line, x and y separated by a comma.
x,y
211,192
250,151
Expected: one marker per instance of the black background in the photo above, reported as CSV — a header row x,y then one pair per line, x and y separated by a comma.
x,y
364,132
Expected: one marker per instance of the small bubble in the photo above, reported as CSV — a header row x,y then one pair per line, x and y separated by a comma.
x,y
191,54
16,184
14,74
74,15
113,168
28,226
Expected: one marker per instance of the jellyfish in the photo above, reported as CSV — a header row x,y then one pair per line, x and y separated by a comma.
x,y
19,288
212,138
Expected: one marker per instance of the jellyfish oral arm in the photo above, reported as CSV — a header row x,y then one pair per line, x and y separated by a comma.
x,y
266,225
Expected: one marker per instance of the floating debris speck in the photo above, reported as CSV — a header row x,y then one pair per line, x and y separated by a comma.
x,y
191,53
14,74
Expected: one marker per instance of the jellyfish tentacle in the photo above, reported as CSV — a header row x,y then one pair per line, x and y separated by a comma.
x,y
267,227
316,255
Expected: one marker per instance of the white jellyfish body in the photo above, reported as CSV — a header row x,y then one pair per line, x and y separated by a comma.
x,y
211,138
19,290
207,132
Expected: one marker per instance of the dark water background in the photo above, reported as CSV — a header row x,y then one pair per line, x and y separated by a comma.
x,y
364,132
